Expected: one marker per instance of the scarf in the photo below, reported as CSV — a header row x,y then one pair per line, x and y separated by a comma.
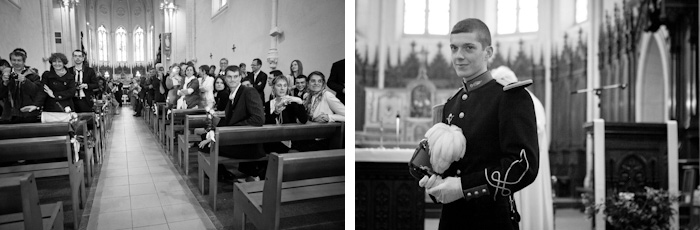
x,y
312,101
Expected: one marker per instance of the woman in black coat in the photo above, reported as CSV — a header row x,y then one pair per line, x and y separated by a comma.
x,y
221,94
283,109
58,87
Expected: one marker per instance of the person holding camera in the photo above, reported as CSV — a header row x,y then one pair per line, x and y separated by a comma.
x,y
283,109
19,88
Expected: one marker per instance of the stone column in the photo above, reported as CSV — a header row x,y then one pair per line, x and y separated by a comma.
x,y
275,32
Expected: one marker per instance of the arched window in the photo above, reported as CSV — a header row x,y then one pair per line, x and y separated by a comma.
x,y
150,43
426,17
102,43
138,44
581,11
517,16
121,44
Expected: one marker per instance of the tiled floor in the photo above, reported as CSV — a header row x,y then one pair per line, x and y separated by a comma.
x,y
564,219
138,187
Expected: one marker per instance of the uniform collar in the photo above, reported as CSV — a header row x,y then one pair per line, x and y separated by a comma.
x,y
477,82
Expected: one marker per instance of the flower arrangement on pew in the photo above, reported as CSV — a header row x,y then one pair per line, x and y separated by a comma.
x,y
650,209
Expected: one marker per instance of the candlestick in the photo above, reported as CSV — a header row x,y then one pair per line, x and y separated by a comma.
x,y
398,121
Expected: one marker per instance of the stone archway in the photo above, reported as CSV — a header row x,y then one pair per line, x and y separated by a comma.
x,y
652,81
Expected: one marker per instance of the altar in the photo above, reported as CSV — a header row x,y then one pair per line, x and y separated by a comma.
x,y
386,195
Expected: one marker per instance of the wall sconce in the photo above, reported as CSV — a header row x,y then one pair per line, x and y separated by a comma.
x,y
69,3
168,6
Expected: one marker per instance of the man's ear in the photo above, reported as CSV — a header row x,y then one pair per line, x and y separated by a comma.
x,y
489,52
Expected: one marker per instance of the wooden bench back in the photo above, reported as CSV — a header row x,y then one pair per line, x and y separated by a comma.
x,y
33,130
198,120
160,109
35,148
272,133
307,165
18,194
177,117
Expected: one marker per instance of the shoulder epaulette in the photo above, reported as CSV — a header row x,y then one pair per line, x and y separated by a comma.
x,y
455,94
515,85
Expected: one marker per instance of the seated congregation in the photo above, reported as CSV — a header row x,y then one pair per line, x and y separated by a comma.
x,y
258,140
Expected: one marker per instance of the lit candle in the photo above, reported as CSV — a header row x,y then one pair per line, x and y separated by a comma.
x,y
398,121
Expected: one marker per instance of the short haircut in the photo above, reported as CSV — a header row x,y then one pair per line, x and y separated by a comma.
x,y
83,52
301,76
224,59
318,73
212,67
276,73
474,25
19,52
258,60
242,64
58,56
232,68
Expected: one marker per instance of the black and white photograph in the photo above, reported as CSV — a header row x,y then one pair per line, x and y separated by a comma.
x,y
172,114
526,114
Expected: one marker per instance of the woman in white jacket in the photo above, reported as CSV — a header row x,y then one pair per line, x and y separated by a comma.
x,y
321,104
206,87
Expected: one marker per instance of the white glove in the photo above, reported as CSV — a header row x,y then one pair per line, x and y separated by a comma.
x,y
429,182
448,191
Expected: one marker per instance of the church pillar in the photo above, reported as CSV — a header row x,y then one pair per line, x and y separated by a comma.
x,y
49,45
190,30
275,32
382,43
595,11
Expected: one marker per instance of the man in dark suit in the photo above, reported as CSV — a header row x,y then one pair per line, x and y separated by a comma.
x,y
245,109
337,80
258,78
86,81
223,63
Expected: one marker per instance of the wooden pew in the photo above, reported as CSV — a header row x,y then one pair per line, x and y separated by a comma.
x,y
192,122
238,135
160,121
87,120
41,148
290,177
20,209
176,125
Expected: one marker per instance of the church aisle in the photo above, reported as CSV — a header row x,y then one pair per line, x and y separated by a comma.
x,y
138,186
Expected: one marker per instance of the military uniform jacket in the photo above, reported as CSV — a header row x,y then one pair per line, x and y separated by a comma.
x,y
501,154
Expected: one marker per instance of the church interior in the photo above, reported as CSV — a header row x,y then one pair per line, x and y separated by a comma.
x,y
618,81
145,147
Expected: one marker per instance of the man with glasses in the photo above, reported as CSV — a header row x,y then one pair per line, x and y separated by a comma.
x,y
258,78
223,63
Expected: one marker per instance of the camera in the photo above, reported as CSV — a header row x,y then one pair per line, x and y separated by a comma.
x,y
13,76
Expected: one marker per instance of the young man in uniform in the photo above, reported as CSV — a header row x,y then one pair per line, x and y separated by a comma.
x,y
498,122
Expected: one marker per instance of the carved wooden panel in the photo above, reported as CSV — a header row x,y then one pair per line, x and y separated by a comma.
x,y
635,156
387,197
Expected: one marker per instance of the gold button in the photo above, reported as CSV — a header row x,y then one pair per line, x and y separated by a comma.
x,y
464,97
459,172
469,194
484,190
476,193
461,115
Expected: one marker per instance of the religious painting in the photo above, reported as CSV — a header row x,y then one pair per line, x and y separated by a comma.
x,y
421,103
